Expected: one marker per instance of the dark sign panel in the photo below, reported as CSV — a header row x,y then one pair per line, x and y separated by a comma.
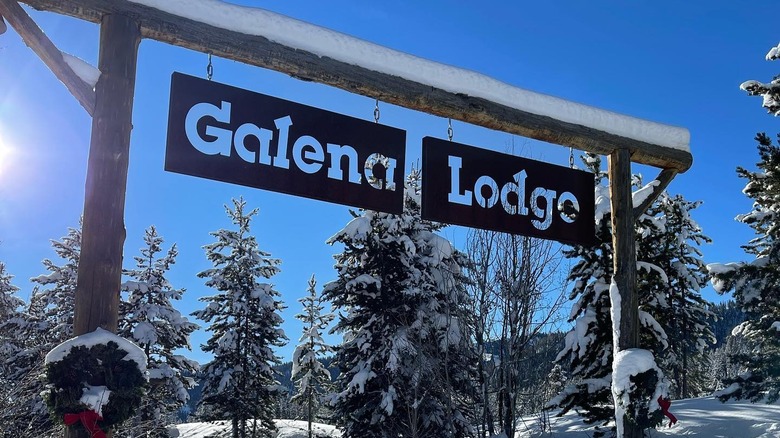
x,y
224,133
479,188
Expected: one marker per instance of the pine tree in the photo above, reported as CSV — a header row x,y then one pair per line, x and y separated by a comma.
x,y
754,284
10,306
406,366
47,321
588,350
244,321
681,310
308,373
147,317
11,344
57,292
727,316
588,347
770,92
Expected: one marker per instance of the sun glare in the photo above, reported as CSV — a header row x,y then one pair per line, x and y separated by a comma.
x,y
5,156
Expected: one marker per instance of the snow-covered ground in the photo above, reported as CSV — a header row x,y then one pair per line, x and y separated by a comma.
x,y
287,429
698,417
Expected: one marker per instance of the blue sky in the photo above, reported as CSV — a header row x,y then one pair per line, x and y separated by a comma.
x,y
678,63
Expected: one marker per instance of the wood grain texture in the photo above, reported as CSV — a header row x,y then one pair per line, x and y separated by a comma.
x,y
103,230
624,261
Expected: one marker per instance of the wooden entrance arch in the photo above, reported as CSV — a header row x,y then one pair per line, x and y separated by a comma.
x,y
123,23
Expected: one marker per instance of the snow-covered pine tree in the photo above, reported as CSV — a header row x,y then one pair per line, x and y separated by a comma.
x,y
46,322
244,320
679,308
147,317
406,365
23,406
10,309
56,295
10,342
770,92
719,364
754,283
310,376
588,347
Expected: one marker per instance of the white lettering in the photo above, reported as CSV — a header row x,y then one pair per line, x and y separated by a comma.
x,y
221,143
283,125
544,214
316,155
308,154
337,152
388,164
573,209
518,188
512,196
455,196
263,136
482,182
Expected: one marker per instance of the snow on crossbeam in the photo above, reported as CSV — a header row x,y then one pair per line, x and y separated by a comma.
x,y
266,39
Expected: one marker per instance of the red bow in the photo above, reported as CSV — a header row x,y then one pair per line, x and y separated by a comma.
x,y
89,420
665,403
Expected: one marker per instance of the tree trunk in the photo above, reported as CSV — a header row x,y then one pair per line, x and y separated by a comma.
x,y
103,231
684,354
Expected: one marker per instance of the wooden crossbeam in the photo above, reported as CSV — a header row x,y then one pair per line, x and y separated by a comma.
x,y
40,44
664,178
261,52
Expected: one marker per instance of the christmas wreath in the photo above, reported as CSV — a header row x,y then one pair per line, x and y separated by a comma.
x,y
97,379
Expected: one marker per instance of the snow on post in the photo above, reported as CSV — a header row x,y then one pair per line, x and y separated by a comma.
x,y
626,364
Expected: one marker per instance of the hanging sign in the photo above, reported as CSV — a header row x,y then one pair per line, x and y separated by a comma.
x,y
480,188
228,134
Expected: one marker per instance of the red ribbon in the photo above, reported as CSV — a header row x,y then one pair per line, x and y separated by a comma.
x,y
89,420
665,403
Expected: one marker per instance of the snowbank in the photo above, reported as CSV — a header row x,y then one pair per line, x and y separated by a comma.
x,y
699,417
287,429
704,417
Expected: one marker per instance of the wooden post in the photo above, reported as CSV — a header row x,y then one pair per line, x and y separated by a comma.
x,y
624,260
103,229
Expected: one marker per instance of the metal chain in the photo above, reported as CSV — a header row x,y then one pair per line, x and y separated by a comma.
x,y
449,129
209,69
376,111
